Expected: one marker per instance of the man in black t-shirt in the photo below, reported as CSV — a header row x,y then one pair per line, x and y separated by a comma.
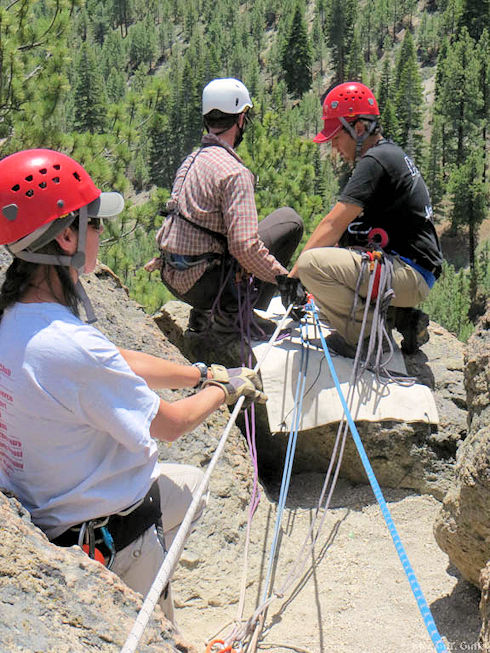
x,y
386,202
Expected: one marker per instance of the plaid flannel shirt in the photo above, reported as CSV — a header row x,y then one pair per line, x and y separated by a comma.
x,y
213,188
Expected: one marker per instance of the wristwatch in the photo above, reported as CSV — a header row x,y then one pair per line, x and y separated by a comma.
x,y
203,369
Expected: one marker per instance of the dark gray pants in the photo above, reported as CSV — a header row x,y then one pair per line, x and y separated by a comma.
x,y
281,232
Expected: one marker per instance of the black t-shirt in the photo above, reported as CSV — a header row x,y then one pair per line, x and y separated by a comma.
x,y
393,195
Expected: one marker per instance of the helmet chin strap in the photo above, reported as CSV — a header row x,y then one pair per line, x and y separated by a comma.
x,y
359,138
76,261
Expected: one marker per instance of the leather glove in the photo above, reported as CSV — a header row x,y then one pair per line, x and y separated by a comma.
x,y
237,382
292,292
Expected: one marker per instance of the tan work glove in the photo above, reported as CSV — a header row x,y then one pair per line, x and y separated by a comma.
x,y
237,382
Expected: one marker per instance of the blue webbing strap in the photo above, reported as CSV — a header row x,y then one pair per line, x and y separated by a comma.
x,y
412,579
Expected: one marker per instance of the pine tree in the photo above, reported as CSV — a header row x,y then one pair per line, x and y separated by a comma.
x,y
475,17
459,97
470,200
296,57
116,85
484,55
89,97
143,41
121,14
409,98
33,76
355,68
340,30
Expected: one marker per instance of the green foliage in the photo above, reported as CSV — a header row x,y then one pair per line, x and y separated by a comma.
x,y
409,99
448,302
340,30
296,57
33,76
89,97
117,84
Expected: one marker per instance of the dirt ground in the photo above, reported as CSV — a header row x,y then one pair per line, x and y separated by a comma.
x,y
353,595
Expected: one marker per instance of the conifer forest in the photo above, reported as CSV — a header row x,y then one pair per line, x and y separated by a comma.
x,y
117,85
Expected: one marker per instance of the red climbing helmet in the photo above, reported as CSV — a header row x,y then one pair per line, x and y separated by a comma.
x,y
344,104
37,187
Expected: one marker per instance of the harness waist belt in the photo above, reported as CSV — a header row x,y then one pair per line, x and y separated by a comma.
x,y
185,261
125,527
429,275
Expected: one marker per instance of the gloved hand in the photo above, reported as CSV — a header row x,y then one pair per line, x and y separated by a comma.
x,y
237,382
292,292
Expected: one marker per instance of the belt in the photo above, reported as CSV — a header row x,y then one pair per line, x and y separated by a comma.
x,y
124,527
186,261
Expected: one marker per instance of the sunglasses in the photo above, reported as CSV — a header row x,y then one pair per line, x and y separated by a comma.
x,y
95,223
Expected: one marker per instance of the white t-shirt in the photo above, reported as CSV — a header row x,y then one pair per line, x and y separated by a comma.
x,y
74,419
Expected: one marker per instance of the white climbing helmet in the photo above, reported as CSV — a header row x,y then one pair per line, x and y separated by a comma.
x,y
227,95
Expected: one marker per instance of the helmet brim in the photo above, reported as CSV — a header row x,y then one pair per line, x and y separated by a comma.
x,y
107,205
331,127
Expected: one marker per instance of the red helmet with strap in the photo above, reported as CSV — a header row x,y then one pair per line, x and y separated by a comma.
x,y
343,105
40,191
37,187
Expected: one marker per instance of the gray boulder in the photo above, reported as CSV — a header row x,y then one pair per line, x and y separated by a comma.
x,y
54,599
417,456
462,529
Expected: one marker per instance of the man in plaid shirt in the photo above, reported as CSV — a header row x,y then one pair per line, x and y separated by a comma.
x,y
212,220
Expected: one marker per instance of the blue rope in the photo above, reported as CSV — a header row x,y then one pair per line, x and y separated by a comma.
x,y
291,448
412,579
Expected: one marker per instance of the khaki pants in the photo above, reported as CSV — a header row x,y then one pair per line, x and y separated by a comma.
x,y
138,563
331,274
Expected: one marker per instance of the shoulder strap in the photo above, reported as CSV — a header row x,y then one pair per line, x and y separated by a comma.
x,y
176,213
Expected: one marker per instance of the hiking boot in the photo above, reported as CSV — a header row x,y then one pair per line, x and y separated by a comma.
x,y
199,320
412,324
263,324
225,323
336,343
229,324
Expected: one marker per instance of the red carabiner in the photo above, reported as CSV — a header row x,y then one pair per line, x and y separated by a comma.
x,y
226,649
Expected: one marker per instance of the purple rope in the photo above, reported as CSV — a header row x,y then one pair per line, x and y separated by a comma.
x,y
244,314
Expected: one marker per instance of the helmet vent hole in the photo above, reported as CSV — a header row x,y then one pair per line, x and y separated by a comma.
x,y
57,166
29,178
77,176
30,193
56,180
43,184
43,171
16,188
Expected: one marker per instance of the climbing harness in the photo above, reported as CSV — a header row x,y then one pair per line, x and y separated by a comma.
x,y
109,535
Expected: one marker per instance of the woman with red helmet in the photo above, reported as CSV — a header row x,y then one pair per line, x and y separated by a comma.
x,y
79,415
385,195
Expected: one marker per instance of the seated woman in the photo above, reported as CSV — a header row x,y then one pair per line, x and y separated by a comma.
x,y
78,414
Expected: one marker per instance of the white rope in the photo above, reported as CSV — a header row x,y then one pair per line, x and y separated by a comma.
x,y
175,550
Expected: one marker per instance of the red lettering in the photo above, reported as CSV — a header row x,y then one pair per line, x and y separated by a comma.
x,y
6,396
14,443
8,463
